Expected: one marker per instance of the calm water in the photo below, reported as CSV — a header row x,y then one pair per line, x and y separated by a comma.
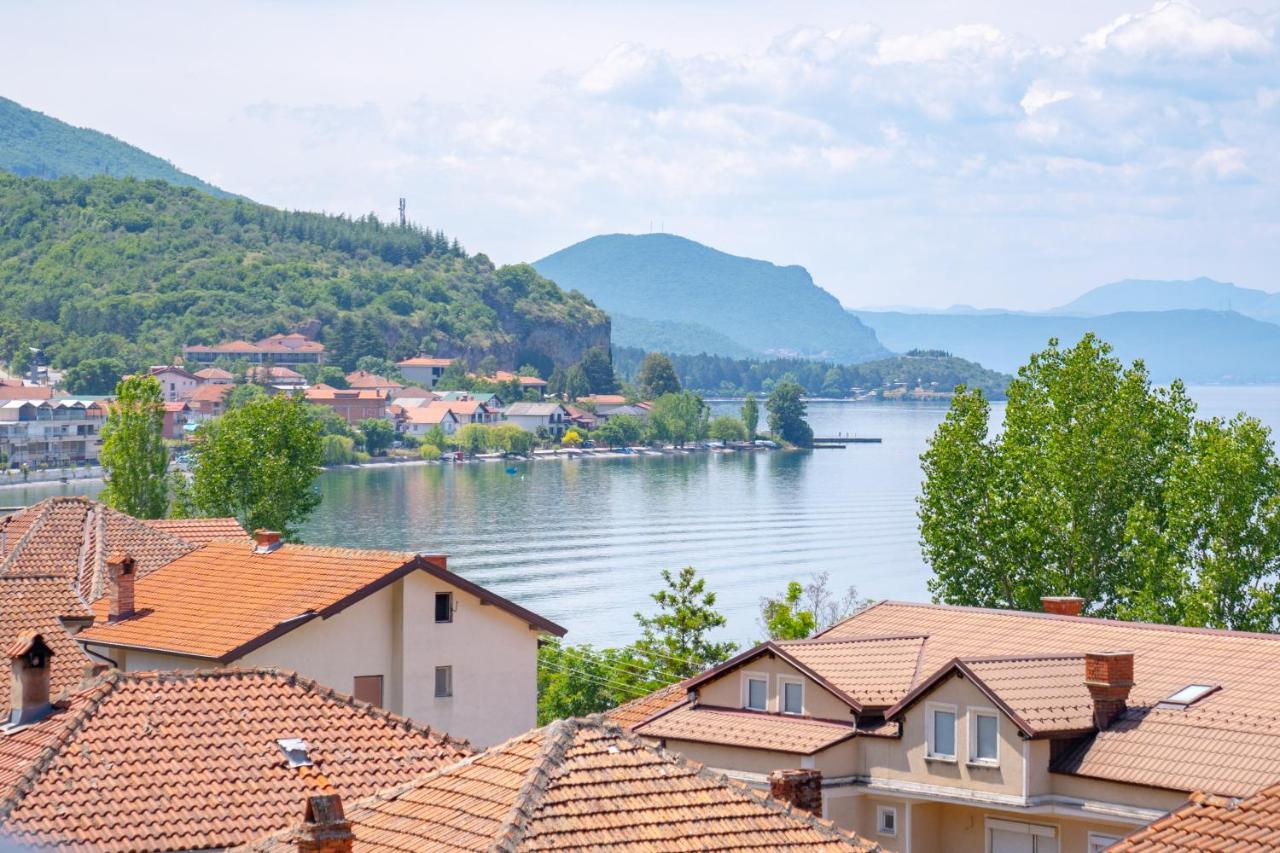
x,y
583,542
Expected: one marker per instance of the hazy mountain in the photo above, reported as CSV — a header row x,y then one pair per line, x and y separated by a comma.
x,y
1200,293
672,336
1198,346
762,307
34,145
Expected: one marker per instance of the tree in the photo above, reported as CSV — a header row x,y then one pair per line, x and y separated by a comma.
x,y
576,681
571,438
786,414
510,438
675,640
751,416
472,439
323,374
657,376
93,376
378,434
727,428
436,438
337,450
576,383
806,609
620,431
244,394
134,458
1070,498
259,463
678,418
597,366
454,377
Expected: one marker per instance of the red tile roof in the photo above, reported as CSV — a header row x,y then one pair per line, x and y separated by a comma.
x,y
365,379
210,393
876,671
1208,822
213,373
579,785
639,710
39,604
190,760
199,531
752,729
422,361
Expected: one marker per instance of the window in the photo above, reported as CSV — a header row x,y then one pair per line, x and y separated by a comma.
x,y
444,681
368,688
1099,842
940,731
984,740
1187,696
792,695
756,693
444,607
886,820
1007,836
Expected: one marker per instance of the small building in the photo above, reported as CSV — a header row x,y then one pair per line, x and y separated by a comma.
x,y
366,380
395,629
43,431
277,377
176,383
472,411
208,401
553,417
176,415
424,371
420,420
352,404
276,349
215,376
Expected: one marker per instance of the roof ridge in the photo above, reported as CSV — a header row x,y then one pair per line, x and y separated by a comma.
x,y
557,739
16,548
1021,658
107,683
818,640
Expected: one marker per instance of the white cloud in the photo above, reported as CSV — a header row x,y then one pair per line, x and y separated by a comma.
x,y
1173,28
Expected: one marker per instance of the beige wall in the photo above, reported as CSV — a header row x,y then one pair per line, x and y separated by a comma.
x,y
728,690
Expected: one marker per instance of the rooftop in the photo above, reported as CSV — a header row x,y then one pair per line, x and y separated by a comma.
x,y
39,603
423,361
1212,823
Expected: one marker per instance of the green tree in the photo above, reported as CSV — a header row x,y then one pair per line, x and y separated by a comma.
x,y
454,377
597,366
259,463
384,367
378,435
337,450
727,428
576,681
751,416
678,418
620,431
510,438
657,376
436,438
676,640
805,609
244,394
92,376
472,438
323,374
134,458
787,412
575,383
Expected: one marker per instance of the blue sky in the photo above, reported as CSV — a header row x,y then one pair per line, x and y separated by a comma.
x,y
991,153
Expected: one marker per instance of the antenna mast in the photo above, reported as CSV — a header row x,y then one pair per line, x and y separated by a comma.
x,y
402,222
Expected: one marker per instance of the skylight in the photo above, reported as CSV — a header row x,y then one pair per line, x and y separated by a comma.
x,y
1189,695
295,750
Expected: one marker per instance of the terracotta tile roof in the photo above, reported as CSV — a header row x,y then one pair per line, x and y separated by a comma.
x,y
226,598
199,531
434,412
605,399
639,710
422,361
365,379
753,729
210,393
70,537
580,785
213,373
176,406
1209,822
38,604
26,392
327,394
180,761
876,671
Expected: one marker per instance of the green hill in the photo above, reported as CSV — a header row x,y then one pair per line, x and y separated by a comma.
x,y
673,336
762,307
34,145
128,270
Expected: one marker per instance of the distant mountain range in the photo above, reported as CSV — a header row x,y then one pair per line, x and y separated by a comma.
x,y
1200,293
34,145
680,289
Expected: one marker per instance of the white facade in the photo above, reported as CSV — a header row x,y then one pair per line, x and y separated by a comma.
x,y
175,384
50,432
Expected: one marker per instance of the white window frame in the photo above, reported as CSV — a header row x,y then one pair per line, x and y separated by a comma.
x,y
881,811
929,709
1099,841
747,678
973,714
783,681
1033,829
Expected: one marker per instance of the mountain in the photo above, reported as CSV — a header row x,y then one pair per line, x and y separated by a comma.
x,y
1196,345
762,307
671,336
129,271
1200,293
34,145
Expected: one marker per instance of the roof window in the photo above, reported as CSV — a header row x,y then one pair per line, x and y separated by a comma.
x,y
1188,696
295,750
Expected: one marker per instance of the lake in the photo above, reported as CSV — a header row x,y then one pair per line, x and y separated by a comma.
x,y
582,542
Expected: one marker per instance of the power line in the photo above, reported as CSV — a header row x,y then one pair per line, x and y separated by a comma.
x,y
616,667
630,691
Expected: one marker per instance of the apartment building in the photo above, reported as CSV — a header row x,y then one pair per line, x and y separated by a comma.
x,y
276,349
51,432
424,371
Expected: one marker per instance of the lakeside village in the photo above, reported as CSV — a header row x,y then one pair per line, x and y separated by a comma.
x,y
430,409
200,682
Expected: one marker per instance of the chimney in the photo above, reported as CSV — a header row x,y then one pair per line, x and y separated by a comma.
x,y
801,789
267,541
29,660
326,829
1062,605
121,577
1109,677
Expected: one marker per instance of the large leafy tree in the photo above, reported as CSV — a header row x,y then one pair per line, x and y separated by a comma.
x,y
378,434
134,457
620,431
597,366
751,416
678,418
259,463
676,640
93,376
657,376
787,412
1101,486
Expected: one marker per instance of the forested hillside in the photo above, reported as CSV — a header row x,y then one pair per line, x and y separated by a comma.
x,y
33,144
109,268
711,374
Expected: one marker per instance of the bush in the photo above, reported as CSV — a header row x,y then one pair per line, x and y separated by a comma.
x,y
429,452
337,450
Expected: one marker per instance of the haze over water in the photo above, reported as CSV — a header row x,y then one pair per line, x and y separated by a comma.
x,y
582,542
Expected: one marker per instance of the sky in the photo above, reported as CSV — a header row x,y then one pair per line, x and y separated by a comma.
x,y
995,153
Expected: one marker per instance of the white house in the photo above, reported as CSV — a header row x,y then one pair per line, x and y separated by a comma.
x,y
420,420
423,371
554,417
395,629
176,383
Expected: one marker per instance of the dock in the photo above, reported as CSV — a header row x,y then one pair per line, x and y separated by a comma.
x,y
842,440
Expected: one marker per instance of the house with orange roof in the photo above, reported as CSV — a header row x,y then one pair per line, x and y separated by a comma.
x,y
365,379
420,420
276,377
573,785
176,415
193,760
352,404
176,383
396,629
1209,822
423,370
968,729
209,400
293,348
215,376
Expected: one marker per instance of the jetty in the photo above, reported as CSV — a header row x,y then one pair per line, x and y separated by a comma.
x,y
841,441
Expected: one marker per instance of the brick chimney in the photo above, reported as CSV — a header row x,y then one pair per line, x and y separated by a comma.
x,y
326,829
267,540
1109,677
802,789
1062,605
120,576
30,660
